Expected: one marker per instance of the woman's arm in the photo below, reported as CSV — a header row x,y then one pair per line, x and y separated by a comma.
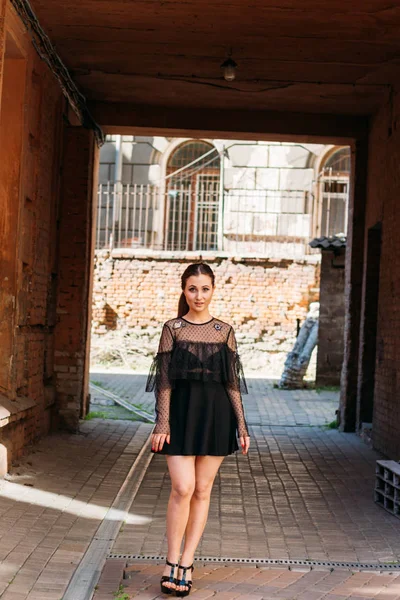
x,y
236,385
158,380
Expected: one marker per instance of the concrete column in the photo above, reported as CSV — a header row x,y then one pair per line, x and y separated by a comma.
x,y
76,237
353,286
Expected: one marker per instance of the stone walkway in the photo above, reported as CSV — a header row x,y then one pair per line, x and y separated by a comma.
x,y
249,583
304,491
53,500
301,493
264,403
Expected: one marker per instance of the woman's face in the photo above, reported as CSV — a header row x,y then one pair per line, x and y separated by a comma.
x,y
198,292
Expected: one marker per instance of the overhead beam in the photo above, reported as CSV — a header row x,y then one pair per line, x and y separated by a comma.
x,y
131,119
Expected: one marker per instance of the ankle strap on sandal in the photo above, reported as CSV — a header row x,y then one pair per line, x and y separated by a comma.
x,y
171,564
185,569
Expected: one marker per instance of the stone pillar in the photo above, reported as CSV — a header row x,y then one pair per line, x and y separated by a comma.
x,y
353,286
75,258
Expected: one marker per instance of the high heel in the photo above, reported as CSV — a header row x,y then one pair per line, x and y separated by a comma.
x,y
183,581
170,578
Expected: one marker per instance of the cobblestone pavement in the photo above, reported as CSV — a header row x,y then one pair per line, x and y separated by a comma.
x,y
264,403
249,583
53,501
301,493
304,491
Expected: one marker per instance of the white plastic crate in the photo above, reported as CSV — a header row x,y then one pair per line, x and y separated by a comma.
x,y
387,486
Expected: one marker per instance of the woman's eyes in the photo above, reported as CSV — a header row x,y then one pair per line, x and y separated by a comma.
x,y
194,289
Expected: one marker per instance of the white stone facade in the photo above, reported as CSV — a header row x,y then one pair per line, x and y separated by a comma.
x,y
270,192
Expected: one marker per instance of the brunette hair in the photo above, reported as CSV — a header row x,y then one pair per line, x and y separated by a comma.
x,y
200,268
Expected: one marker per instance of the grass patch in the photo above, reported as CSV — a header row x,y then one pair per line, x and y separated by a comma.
x,y
139,405
327,388
120,594
96,414
113,415
332,425
99,384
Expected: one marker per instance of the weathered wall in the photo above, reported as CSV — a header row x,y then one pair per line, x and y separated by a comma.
x,y
262,298
383,206
74,275
30,133
47,173
331,319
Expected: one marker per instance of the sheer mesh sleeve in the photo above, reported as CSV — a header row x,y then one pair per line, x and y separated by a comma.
x,y
236,384
159,381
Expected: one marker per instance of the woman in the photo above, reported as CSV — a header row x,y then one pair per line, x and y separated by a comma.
x,y
198,379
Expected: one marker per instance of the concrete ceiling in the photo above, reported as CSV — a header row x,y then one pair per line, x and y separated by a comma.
x,y
336,57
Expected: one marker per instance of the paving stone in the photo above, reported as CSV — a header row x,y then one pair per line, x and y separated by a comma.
x,y
49,542
304,491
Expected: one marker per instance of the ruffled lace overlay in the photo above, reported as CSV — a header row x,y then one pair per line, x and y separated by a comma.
x,y
205,352
159,381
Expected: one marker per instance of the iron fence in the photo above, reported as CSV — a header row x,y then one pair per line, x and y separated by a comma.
x,y
184,216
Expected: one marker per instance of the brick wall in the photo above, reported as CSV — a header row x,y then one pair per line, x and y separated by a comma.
x,y
331,319
30,132
260,297
74,275
383,205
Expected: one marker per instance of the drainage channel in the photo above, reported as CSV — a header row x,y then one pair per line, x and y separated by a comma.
x,y
285,562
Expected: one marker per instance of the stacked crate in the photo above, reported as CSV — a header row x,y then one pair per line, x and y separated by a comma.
x,y
387,486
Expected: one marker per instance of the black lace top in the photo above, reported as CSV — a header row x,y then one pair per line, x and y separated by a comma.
x,y
196,351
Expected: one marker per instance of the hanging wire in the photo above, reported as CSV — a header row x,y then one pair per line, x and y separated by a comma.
x,y
47,53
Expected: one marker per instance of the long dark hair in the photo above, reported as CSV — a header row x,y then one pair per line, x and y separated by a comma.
x,y
200,268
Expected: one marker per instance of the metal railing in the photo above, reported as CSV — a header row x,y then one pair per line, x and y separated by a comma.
x,y
200,217
125,216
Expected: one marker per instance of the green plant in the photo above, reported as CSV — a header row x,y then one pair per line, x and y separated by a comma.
x,y
96,414
332,425
120,594
327,388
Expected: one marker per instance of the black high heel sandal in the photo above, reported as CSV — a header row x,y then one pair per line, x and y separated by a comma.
x,y
170,578
183,581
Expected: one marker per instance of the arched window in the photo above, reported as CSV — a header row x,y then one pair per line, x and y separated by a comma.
x,y
339,162
334,180
192,197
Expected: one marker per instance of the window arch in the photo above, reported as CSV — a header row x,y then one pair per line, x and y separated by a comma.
x,y
339,162
334,180
192,197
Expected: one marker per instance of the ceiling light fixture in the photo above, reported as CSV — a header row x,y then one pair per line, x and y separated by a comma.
x,y
229,69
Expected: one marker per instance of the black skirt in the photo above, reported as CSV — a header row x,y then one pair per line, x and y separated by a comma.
x,y
202,420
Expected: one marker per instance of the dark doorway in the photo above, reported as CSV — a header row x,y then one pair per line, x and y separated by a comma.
x,y
367,380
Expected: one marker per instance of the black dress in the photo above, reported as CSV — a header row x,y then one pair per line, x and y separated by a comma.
x,y
198,379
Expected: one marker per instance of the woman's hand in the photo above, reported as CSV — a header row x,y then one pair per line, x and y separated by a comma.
x,y
245,443
158,439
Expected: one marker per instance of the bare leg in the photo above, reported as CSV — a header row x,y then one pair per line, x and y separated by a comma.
x,y
182,473
206,468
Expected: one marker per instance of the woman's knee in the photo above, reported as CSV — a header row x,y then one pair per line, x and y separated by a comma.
x,y
202,490
182,490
